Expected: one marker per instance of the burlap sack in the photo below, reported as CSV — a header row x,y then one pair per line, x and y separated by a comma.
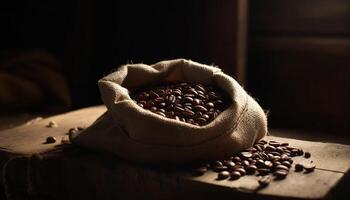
x,y
136,134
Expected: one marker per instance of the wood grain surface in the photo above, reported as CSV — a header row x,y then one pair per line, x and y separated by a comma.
x,y
76,173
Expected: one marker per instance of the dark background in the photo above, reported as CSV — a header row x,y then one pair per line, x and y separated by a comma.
x,y
294,56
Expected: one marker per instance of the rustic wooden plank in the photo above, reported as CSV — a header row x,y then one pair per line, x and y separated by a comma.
x,y
30,137
96,175
300,17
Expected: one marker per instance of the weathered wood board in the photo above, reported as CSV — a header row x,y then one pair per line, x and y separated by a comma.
x,y
90,175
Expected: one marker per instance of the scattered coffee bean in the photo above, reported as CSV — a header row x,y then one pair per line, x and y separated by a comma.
x,y
235,175
52,124
195,104
223,175
281,167
246,154
251,169
299,167
65,140
263,171
50,139
309,167
280,174
241,171
264,181
307,155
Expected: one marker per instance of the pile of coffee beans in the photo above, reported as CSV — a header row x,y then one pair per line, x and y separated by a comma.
x,y
196,104
266,159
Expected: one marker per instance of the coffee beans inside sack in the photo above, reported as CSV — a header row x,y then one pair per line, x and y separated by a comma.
x,y
195,104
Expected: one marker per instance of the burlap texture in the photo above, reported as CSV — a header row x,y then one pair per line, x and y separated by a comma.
x,y
134,133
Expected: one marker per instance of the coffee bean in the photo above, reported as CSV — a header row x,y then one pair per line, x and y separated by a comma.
x,y
216,163
299,167
236,159
200,108
286,163
209,105
274,143
281,167
196,102
260,163
172,99
307,155
220,168
245,163
52,124
263,171
251,169
284,144
241,171
160,113
187,113
268,164
309,167
280,174
201,120
264,181
50,139
246,154
235,175
270,148
223,175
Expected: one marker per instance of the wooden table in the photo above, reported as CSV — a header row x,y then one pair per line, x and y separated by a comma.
x,y
52,171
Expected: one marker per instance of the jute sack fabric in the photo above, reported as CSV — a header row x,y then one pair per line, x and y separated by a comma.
x,y
136,134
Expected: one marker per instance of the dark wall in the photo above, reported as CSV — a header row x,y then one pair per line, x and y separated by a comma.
x,y
92,38
299,63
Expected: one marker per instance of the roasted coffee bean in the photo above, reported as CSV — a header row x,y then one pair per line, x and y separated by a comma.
x,y
307,155
268,164
270,148
286,163
246,154
263,171
280,174
260,163
220,168
235,175
284,144
223,175
245,163
229,164
160,113
299,167
309,167
187,113
216,163
50,139
281,167
274,143
241,171
264,181
201,120
251,169
236,159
